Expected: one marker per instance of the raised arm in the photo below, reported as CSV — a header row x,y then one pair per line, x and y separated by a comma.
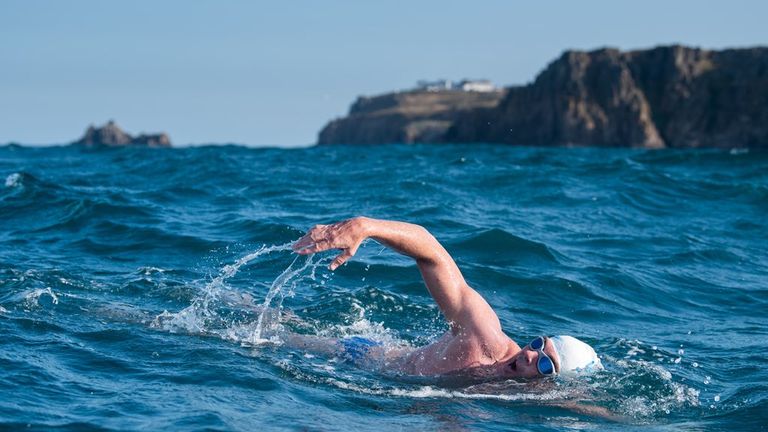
x,y
462,306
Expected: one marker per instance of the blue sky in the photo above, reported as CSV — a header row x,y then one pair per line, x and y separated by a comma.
x,y
273,73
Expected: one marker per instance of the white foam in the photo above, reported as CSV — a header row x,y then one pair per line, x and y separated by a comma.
x,y
430,392
147,271
666,395
642,406
13,180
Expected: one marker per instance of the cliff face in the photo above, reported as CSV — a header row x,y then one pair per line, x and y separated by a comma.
x,y
415,116
662,97
110,135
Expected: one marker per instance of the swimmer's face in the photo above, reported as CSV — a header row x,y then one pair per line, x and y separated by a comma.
x,y
523,364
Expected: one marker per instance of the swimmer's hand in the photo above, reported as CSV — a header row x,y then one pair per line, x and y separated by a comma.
x,y
345,235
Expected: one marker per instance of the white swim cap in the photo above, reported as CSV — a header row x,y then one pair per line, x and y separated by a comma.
x,y
574,355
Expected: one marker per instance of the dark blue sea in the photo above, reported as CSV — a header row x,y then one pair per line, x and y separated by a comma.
x,y
133,285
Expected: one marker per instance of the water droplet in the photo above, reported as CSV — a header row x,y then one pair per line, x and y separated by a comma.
x,y
717,398
680,351
695,364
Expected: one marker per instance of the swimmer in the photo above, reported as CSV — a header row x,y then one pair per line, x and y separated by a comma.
x,y
475,341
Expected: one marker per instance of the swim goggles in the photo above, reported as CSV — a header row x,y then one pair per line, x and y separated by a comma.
x,y
545,365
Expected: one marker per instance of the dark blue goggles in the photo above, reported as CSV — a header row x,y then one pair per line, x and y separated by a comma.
x,y
545,365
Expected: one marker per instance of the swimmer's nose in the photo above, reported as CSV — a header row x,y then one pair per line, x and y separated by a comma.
x,y
530,356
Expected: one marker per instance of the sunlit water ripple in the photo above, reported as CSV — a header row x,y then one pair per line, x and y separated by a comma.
x,y
132,283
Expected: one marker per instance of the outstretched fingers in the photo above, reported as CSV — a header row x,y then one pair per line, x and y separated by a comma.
x,y
342,235
315,240
306,246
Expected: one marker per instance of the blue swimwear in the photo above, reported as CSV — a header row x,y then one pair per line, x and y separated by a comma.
x,y
357,347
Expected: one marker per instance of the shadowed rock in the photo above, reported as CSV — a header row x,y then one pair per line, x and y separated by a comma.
x,y
405,117
110,135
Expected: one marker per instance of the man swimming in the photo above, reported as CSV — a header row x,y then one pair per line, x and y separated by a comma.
x,y
475,340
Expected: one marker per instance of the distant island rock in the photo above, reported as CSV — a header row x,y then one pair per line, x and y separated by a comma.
x,y
110,135
665,97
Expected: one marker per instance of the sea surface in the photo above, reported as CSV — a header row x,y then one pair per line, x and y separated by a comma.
x,y
133,285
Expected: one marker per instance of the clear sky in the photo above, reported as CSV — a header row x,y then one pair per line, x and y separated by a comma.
x,y
273,73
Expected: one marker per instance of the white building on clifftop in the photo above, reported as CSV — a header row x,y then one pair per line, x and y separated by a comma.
x,y
463,85
437,85
477,85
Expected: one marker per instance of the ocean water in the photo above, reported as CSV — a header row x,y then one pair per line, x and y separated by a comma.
x,y
133,285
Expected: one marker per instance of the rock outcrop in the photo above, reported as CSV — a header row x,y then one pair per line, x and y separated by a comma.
x,y
110,135
663,97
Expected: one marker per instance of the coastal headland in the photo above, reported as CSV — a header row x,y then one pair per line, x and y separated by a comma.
x,y
664,97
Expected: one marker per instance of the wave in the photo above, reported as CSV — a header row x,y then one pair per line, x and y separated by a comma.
x,y
496,246
25,181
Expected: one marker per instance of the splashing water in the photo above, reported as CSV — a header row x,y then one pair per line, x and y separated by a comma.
x,y
203,317
32,299
272,311
197,317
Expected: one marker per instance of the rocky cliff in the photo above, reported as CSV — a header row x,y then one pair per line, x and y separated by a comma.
x,y
110,135
663,97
